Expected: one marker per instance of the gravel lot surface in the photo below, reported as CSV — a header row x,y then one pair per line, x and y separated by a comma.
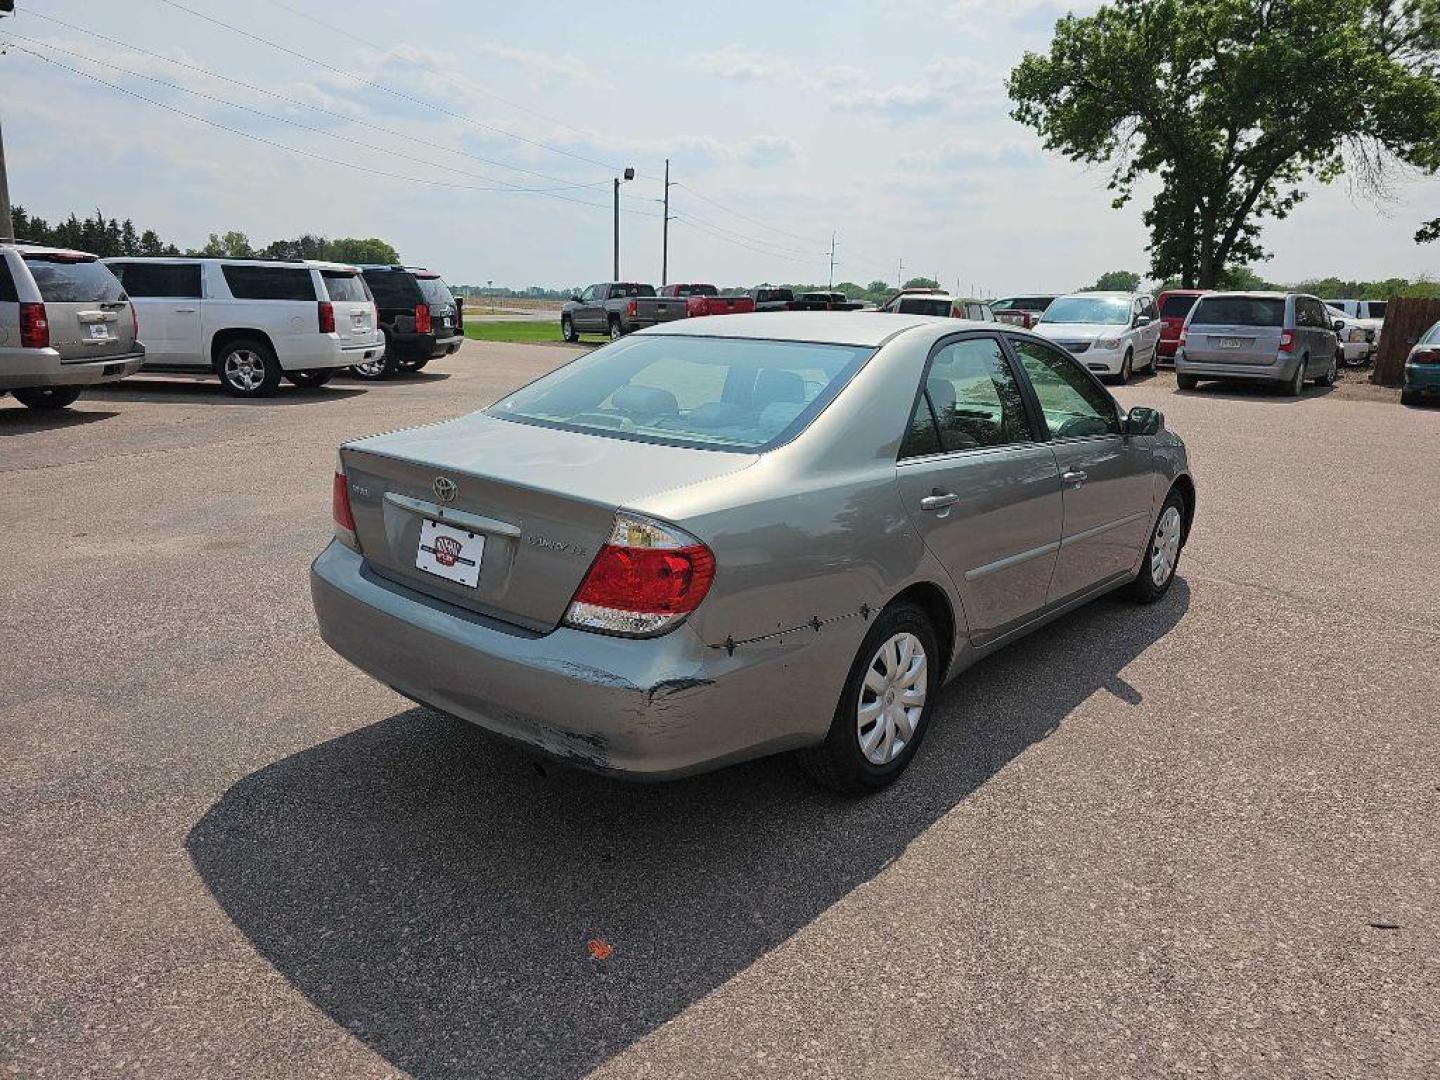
x,y
1198,839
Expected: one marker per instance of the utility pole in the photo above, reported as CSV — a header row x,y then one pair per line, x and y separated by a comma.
x,y
7,223
628,175
900,275
665,231
832,259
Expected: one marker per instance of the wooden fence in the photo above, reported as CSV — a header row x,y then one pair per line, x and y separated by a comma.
x,y
1406,318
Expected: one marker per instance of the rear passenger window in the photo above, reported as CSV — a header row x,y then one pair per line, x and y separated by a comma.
x,y
180,281
7,283
1073,405
269,282
344,286
972,398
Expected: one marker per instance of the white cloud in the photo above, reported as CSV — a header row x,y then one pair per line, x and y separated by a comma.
x,y
944,85
741,65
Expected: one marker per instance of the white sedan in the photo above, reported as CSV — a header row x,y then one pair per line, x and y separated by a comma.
x,y
1111,333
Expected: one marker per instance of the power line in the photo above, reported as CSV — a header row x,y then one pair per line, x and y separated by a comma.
x,y
683,219
305,153
292,101
746,217
382,87
295,123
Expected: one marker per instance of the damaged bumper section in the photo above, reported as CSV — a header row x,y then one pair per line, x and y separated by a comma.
x,y
644,708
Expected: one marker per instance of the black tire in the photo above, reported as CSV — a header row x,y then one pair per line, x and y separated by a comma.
x,y
415,365
1332,373
384,366
311,379
839,762
247,368
616,330
1186,382
1295,385
47,398
1127,367
567,329
1407,397
1145,589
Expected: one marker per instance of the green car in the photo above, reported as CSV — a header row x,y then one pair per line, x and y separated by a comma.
x,y
1422,369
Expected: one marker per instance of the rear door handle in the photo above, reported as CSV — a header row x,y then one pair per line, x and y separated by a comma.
x,y
185,310
1074,476
939,500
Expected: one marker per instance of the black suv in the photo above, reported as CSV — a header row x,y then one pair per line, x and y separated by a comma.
x,y
419,316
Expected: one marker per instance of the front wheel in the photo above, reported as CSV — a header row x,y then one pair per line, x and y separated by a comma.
x,y
1186,382
1162,555
47,398
248,369
1127,367
311,379
885,708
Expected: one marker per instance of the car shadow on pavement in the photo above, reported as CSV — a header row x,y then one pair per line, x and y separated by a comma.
x,y
466,913
23,421
184,391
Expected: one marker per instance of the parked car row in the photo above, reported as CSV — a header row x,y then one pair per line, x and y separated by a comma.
x,y
69,319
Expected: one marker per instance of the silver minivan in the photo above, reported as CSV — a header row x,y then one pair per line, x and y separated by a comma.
x,y
1285,339
65,323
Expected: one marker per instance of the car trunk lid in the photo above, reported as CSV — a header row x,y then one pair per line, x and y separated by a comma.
x,y
541,500
444,311
353,306
1236,343
89,315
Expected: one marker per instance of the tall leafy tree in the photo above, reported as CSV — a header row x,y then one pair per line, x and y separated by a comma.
x,y
1117,281
1234,105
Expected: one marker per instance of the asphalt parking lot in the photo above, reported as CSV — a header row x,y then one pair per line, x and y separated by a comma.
x,y
1200,839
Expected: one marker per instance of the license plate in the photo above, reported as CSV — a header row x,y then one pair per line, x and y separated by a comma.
x,y
451,553
1230,342
99,331
360,319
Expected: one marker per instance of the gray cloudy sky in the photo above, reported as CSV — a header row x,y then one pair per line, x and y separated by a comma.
x,y
884,121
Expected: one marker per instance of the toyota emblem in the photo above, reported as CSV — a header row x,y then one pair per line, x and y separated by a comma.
x,y
444,489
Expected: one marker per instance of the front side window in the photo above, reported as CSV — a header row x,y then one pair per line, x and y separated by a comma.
x,y
180,281
67,280
269,282
970,400
711,393
1073,405
1090,310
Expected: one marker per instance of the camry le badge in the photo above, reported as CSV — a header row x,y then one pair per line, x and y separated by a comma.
x,y
444,489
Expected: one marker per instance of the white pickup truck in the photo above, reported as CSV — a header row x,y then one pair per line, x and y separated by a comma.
x,y
251,321
1367,316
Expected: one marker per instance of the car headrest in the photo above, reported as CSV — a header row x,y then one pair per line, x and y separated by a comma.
x,y
942,394
645,401
772,386
716,414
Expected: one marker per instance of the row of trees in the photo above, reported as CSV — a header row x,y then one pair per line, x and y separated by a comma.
x,y
108,237
1328,288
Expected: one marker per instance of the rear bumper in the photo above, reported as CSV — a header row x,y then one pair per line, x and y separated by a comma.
x,y
425,346
1274,371
647,709
1422,378
331,352
21,369
1165,350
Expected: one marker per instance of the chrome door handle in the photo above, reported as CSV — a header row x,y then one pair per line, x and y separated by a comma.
x,y
1074,476
187,310
939,500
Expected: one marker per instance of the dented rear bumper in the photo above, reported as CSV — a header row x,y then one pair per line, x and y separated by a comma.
x,y
644,708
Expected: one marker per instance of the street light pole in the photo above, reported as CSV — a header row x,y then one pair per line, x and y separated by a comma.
x,y
665,230
628,175
7,223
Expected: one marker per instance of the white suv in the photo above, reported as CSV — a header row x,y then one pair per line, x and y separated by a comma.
x,y
1111,333
64,324
252,321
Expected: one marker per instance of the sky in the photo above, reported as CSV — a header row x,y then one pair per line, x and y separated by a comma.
x,y
482,140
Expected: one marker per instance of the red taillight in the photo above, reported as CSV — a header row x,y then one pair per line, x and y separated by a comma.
x,y
1287,341
327,317
632,308
1426,356
340,503
645,578
422,318
34,327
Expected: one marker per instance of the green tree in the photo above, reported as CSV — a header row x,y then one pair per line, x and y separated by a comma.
x,y
351,249
922,283
1233,104
1117,281
233,245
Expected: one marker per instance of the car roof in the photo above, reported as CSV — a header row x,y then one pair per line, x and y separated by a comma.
x,y
1183,292
41,249
1262,294
866,328
1119,294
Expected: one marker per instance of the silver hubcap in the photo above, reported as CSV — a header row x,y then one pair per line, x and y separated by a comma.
x,y
1166,551
892,699
614,331
371,367
245,369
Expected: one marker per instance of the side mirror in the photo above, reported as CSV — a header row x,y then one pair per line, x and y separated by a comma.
x,y
1143,421
1142,320
1337,326
575,296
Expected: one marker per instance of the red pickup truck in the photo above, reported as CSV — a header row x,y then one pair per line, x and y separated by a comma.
x,y
706,300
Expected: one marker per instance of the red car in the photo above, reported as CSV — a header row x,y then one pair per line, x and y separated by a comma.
x,y
706,300
1174,305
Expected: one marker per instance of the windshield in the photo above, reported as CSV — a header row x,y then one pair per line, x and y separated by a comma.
x,y
713,393
435,291
1240,311
66,281
1096,310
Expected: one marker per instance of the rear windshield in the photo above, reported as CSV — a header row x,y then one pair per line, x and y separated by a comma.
x,y
766,296
64,281
269,282
1239,311
1377,309
345,285
1023,303
435,291
1177,306
1095,310
712,393
696,290
923,305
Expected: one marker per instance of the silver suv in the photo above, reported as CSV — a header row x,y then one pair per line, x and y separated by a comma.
x,y
1284,339
65,323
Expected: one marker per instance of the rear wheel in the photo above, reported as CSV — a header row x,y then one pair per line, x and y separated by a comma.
x,y
615,331
567,329
1407,397
1331,373
1162,556
1296,386
885,708
1186,382
311,379
247,368
414,365
382,367
47,398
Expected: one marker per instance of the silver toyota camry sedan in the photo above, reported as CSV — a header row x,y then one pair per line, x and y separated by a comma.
x,y
724,538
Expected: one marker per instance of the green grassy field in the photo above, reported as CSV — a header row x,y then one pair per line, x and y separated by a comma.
x,y
527,332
